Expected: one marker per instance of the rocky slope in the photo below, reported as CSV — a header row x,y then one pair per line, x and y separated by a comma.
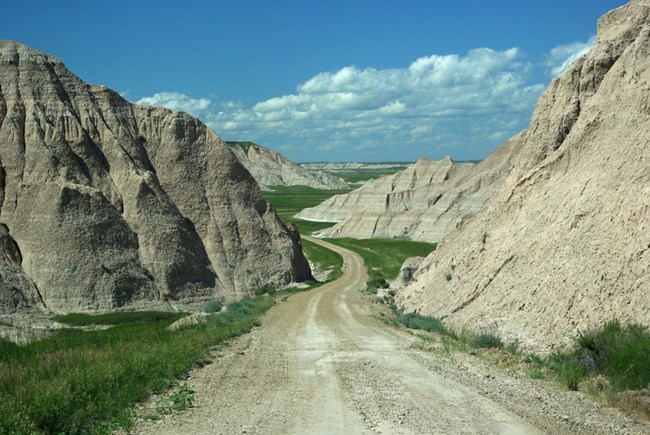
x,y
424,202
106,205
564,243
273,169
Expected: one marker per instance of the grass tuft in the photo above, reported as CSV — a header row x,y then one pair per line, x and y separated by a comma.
x,y
424,323
212,306
620,353
486,341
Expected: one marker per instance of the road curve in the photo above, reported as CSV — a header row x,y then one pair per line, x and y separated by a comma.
x,y
324,364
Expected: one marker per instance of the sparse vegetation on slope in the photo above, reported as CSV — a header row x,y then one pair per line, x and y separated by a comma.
x,y
621,353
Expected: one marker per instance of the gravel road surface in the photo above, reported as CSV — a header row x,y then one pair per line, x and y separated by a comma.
x,y
323,363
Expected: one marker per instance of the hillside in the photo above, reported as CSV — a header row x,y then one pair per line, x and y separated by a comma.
x,y
424,202
270,168
564,242
108,205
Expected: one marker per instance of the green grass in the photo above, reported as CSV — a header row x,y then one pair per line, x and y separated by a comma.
x,y
384,257
309,227
88,381
289,200
80,319
424,323
621,353
486,341
324,258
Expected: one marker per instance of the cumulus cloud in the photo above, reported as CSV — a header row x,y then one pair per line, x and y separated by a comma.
x,y
178,101
439,104
560,57
417,105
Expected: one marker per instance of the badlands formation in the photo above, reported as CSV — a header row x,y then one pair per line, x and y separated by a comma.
x,y
273,169
563,243
424,202
108,205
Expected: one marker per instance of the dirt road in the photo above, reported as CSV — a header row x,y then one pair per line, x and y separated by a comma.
x,y
324,363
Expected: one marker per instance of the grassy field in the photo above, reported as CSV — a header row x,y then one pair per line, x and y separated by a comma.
x,y
289,200
383,257
323,258
88,381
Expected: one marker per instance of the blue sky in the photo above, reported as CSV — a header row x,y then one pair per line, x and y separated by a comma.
x,y
324,80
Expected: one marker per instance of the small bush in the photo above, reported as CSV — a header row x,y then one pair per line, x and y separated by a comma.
x,y
424,323
179,401
375,284
267,289
212,306
483,341
620,353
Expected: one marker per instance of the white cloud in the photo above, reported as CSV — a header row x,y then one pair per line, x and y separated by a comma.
x,y
434,97
436,102
178,101
560,57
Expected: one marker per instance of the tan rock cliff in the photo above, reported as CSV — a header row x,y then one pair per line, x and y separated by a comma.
x,y
424,202
564,243
108,205
270,168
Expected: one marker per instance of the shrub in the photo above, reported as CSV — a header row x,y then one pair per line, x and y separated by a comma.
x,y
620,353
482,341
212,306
375,284
178,401
416,321
267,289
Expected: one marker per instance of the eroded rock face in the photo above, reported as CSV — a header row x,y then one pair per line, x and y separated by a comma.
x,y
564,243
424,202
273,169
113,205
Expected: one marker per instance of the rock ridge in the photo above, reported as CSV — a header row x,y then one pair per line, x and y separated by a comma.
x,y
424,202
563,244
270,168
113,205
